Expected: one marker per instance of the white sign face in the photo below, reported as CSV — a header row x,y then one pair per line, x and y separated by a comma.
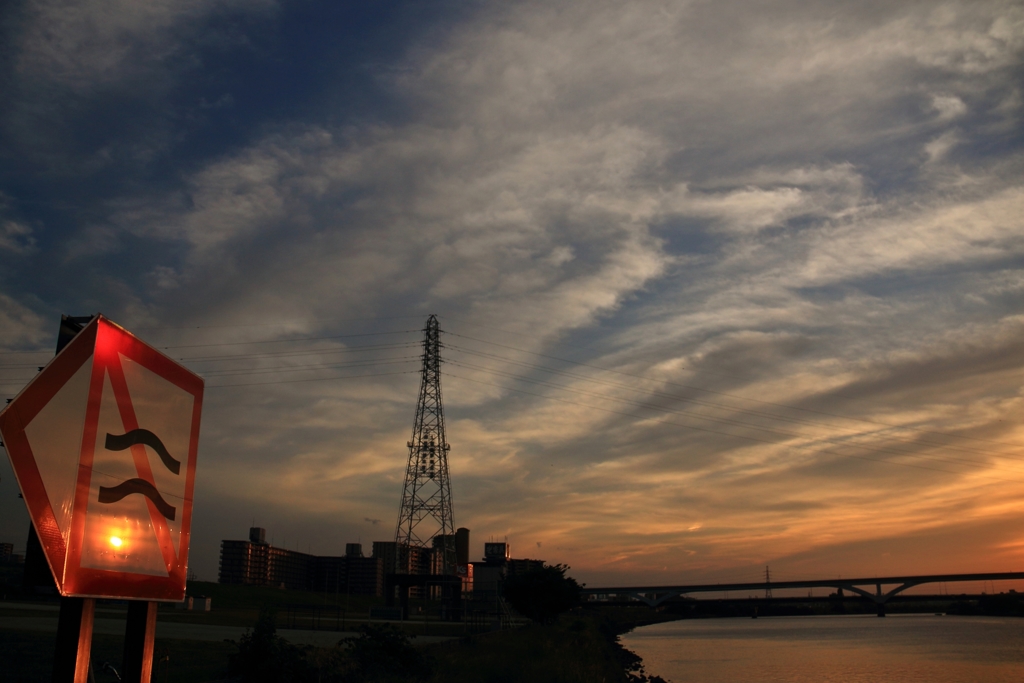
x,y
55,436
106,461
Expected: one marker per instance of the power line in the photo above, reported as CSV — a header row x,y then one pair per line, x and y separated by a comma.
x,y
285,341
242,343
714,431
684,399
293,323
312,379
276,355
619,400
307,368
735,396
230,359
534,336
304,352
784,435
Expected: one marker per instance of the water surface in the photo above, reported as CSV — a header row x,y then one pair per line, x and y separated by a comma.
x,y
834,649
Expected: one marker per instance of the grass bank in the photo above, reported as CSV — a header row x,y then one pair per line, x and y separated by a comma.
x,y
27,657
578,648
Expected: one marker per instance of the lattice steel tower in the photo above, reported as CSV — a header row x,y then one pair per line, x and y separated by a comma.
x,y
426,510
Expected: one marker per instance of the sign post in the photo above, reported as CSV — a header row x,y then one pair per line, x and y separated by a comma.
x,y
74,640
139,641
103,442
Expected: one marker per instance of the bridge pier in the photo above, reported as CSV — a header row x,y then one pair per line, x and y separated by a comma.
x,y
880,599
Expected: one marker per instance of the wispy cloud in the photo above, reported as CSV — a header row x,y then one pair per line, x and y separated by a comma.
x,y
90,45
720,283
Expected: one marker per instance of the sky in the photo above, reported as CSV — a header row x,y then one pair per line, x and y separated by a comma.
x,y
721,285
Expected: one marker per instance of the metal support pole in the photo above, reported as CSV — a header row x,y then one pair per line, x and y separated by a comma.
x,y
139,641
74,640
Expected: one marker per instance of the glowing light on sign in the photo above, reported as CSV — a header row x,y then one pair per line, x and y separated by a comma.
x,y
115,541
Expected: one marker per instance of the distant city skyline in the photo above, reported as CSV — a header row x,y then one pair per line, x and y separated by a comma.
x,y
720,285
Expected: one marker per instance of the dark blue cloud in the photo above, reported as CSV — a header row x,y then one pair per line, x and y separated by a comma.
x,y
68,151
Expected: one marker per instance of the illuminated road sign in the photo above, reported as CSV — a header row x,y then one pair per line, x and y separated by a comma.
x,y
103,442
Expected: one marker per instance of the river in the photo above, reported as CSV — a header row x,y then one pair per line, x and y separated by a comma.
x,y
834,649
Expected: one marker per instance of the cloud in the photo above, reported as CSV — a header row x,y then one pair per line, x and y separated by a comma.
x,y
717,285
479,199
86,45
940,147
948,106
16,237
20,325
980,229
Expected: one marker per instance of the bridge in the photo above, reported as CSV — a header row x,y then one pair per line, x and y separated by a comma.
x,y
655,595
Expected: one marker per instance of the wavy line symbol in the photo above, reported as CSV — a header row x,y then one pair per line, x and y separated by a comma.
x,y
116,493
145,437
120,442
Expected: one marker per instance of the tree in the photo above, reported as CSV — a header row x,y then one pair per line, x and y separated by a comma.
x,y
542,594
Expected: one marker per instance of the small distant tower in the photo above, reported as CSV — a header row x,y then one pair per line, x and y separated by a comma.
x,y
767,583
426,510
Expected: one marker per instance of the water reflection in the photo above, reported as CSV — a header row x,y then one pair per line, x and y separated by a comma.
x,y
836,649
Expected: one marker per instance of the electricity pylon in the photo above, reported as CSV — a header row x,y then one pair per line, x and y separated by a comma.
x,y
426,510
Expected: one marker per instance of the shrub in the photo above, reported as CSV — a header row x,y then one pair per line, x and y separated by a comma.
x,y
383,653
265,657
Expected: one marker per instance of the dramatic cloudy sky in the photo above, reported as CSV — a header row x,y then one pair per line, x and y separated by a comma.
x,y
722,284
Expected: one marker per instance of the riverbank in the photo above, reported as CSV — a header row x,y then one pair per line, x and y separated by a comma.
x,y
580,647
